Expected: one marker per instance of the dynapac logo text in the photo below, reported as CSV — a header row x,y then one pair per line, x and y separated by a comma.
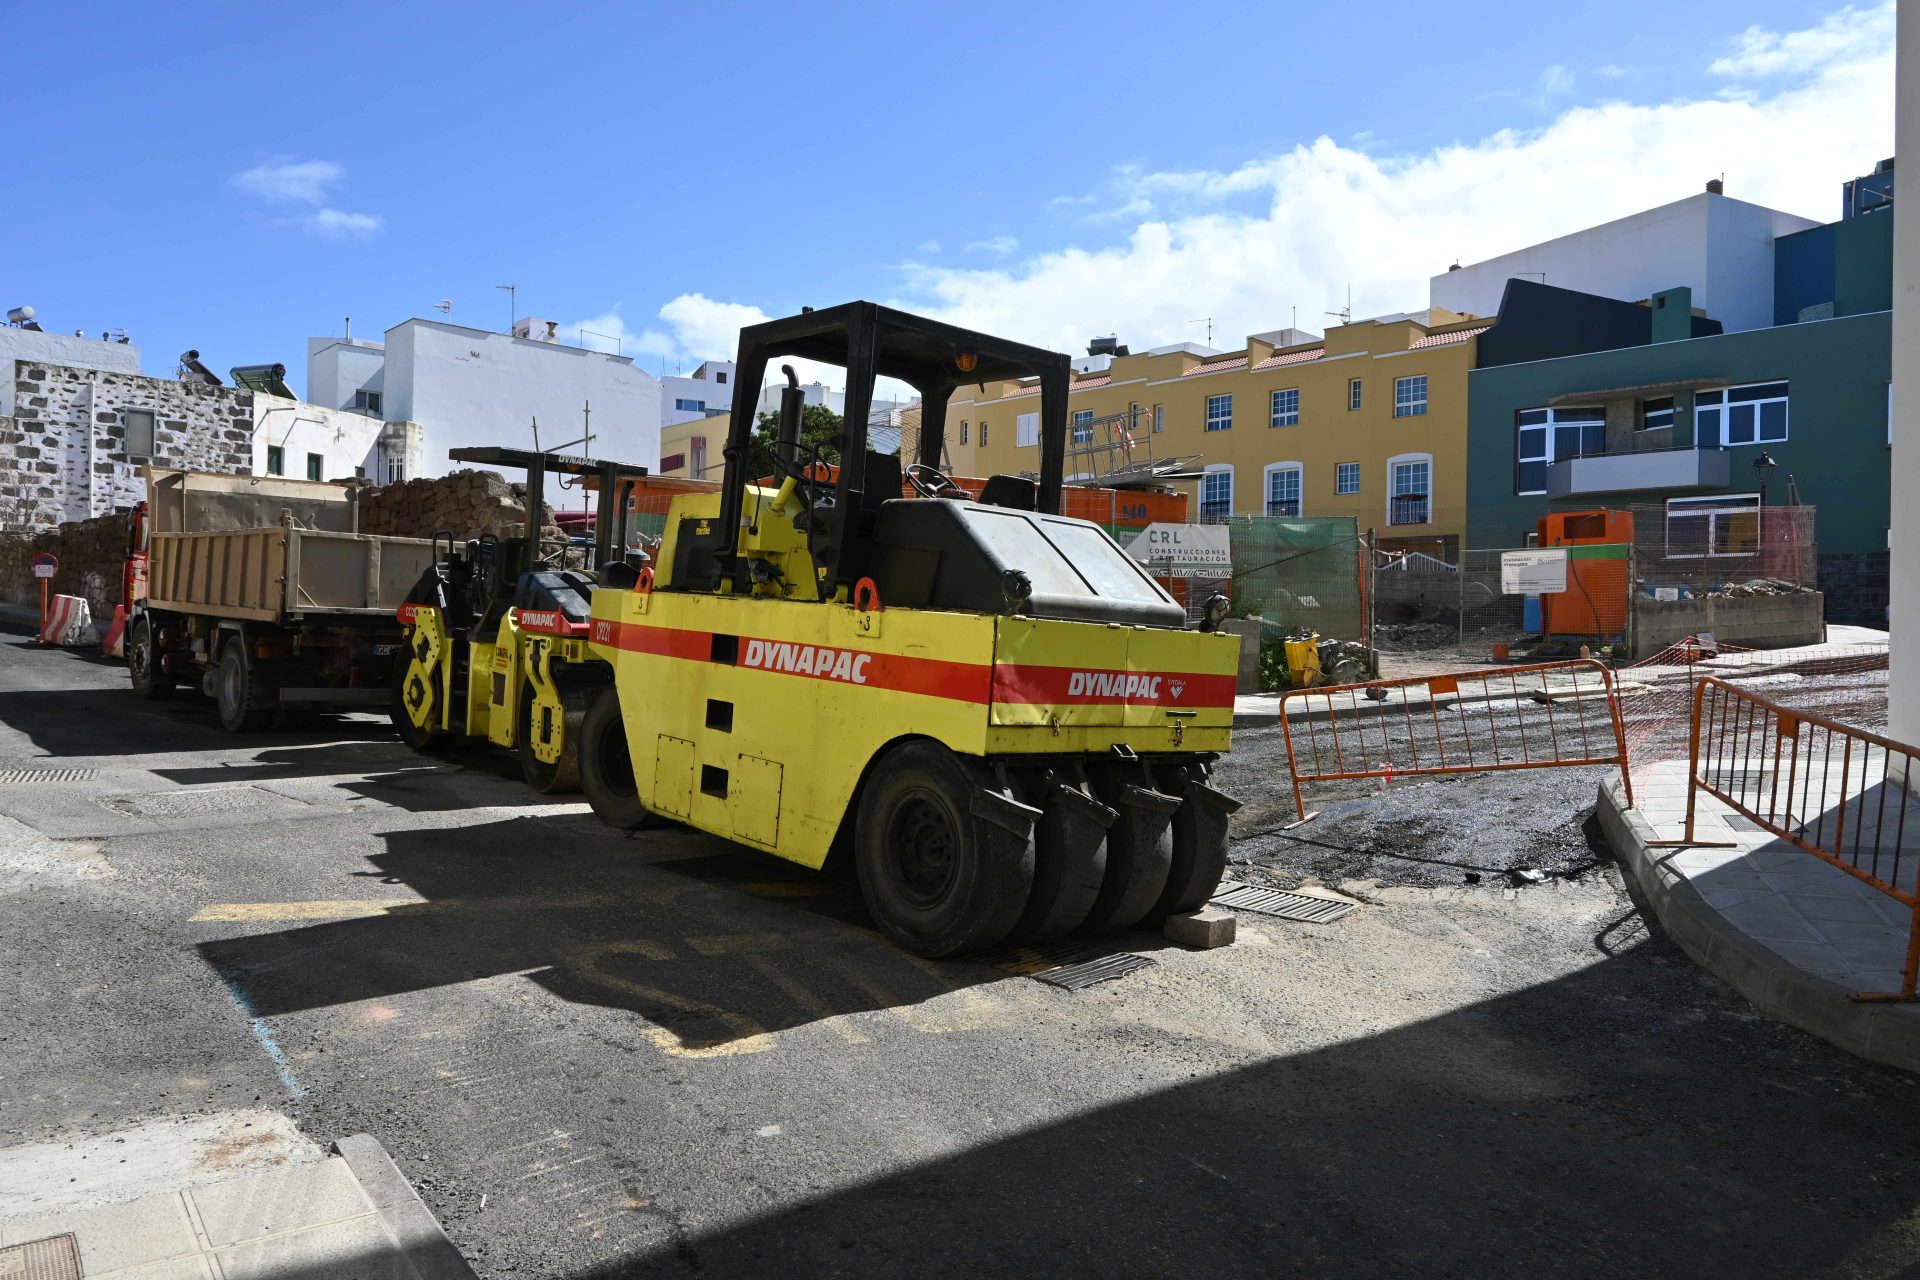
x,y
1113,684
808,660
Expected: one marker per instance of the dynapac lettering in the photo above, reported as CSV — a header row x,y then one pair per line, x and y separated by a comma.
x,y
808,660
1113,684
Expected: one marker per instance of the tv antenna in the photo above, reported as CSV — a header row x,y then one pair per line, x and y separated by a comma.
x,y
444,306
513,303
1207,321
1346,315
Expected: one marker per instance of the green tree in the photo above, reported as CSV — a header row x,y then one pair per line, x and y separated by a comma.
x,y
819,429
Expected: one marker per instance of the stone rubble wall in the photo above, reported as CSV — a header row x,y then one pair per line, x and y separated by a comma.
x,y
92,556
63,452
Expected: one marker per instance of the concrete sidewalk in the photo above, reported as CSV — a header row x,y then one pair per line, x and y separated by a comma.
x,y
347,1216
1795,935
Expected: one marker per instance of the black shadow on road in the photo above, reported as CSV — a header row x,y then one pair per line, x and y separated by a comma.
x,y
1630,1119
111,722
713,948
420,784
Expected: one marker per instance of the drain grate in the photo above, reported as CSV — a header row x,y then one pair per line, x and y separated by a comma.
x,y
1070,965
44,775
1279,902
55,1258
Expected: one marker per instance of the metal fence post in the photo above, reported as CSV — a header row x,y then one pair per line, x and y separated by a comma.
x,y
1460,632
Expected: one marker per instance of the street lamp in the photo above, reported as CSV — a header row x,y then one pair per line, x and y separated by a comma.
x,y
1763,468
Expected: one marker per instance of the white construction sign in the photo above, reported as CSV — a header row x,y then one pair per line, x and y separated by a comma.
x,y
1533,573
1184,550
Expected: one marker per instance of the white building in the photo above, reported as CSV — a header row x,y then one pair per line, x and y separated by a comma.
x,y
72,351
1720,248
311,442
1903,539
460,387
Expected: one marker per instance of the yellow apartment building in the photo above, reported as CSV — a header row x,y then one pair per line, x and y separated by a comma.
x,y
1369,421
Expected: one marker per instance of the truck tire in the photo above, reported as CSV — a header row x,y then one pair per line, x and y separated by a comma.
x,y
564,773
150,679
1139,849
1199,831
236,692
1069,862
936,878
606,768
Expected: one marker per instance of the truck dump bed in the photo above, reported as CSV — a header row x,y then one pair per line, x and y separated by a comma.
x,y
265,549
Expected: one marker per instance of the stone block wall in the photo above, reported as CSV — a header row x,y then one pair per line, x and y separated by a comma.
x,y
467,503
1757,622
63,452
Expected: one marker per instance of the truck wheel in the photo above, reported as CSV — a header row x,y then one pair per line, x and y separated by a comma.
x,y
1069,863
410,733
150,680
936,878
606,768
1199,830
564,773
235,690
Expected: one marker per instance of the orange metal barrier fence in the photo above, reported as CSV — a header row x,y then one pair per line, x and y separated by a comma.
x,y
1541,716
1822,786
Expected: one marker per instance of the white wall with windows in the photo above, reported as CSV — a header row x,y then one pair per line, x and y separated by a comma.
x,y
347,373
1410,489
1282,484
309,442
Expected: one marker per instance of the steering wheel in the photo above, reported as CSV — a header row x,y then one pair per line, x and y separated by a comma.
x,y
931,482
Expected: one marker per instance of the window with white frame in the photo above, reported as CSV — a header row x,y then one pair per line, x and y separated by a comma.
x,y
1755,413
1219,412
1542,436
1722,525
1346,478
1216,493
963,431
367,402
1656,414
396,469
1410,489
1283,489
983,433
1286,408
1410,396
1083,426
1026,430
689,406
1353,394
1159,418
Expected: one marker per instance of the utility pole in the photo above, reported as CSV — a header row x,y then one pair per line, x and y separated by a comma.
x,y
513,304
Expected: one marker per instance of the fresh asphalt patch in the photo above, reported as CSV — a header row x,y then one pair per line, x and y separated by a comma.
x,y
598,1054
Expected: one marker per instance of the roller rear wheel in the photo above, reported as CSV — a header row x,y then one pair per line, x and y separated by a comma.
x,y
1199,830
1139,850
1069,862
606,768
937,878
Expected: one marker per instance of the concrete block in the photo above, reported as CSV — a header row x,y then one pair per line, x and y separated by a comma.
x,y
1203,930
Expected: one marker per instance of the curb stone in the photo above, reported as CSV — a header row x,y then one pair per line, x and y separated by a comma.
x,y
422,1239
1886,1033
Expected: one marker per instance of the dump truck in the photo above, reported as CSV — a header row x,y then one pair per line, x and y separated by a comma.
x,y
261,591
496,630
1002,722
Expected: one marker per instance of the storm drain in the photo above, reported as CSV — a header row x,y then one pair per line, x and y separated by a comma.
x,y
55,1258
44,775
1069,965
1279,902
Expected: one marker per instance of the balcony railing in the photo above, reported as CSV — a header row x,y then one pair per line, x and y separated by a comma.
x,y
1409,508
1289,507
1215,510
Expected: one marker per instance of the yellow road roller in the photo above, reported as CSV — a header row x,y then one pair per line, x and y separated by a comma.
x,y
1002,721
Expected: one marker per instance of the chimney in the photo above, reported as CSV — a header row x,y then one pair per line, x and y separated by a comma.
x,y
1715,187
1455,266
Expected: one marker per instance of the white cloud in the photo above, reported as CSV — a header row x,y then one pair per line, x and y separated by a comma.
x,y
1846,36
608,331
285,181
1328,215
1556,79
1000,246
929,246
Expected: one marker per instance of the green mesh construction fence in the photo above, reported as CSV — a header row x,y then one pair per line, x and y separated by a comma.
x,y
1296,573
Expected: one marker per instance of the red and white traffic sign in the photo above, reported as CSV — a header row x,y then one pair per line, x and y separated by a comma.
x,y
45,565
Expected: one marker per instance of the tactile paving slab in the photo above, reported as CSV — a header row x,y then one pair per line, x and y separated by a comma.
x,y
55,1258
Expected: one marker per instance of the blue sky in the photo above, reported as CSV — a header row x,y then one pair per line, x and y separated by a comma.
x,y
237,178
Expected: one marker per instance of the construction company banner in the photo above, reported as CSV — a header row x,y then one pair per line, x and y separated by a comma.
x,y
1184,550
1533,573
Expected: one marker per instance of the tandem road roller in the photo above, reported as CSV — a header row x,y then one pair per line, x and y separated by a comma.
x,y
1000,718
495,644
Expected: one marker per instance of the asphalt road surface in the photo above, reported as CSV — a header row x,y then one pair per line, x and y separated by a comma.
x,y
600,1055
